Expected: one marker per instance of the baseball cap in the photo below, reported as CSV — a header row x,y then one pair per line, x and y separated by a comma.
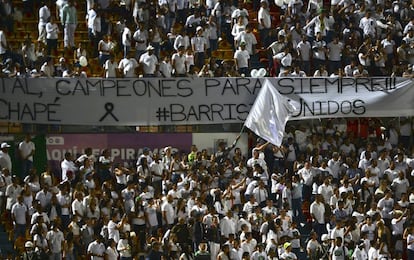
x,y
28,244
5,145
286,245
324,237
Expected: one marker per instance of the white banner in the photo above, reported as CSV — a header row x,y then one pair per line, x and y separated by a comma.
x,y
177,101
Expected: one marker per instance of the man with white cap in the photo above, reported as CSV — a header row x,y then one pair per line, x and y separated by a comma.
x,y
29,253
5,160
199,45
242,59
149,62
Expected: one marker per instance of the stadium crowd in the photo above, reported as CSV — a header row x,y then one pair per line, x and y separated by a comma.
x,y
339,190
181,38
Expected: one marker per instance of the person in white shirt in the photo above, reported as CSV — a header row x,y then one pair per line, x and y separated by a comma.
x,y
265,22
338,250
128,66
360,253
317,211
319,52
178,62
368,25
320,24
334,55
96,249
111,253
168,212
249,38
284,58
27,150
52,31
306,174
199,47
165,67
288,254
68,167
149,62
55,241
126,40
373,252
5,159
397,228
111,67
297,72
141,40
124,248
242,59
44,15
400,185
18,215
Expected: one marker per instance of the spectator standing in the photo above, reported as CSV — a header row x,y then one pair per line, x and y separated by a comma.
x,y
44,16
68,168
334,50
96,249
111,67
93,28
126,40
52,31
368,25
265,22
319,51
149,62
69,22
5,159
249,38
27,151
3,44
19,213
106,48
199,46
128,67
141,40
242,59
304,52
55,241
178,62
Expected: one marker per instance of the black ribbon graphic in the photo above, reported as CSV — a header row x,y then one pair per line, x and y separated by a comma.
x,y
109,107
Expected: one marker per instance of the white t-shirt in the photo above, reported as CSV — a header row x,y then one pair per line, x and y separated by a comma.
x,y
242,57
169,211
265,15
96,248
111,253
26,148
55,239
110,68
126,37
335,51
318,210
113,231
149,63
128,67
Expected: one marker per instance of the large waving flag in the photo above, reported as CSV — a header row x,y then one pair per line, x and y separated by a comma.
x,y
269,114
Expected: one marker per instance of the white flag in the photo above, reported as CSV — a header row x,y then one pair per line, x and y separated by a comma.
x,y
269,114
